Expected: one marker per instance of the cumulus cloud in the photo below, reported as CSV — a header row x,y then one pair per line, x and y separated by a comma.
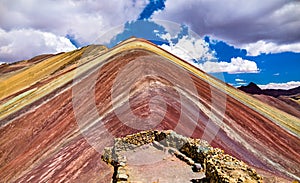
x,y
153,5
197,53
284,86
238,22
189,48
255,49
25,43
85,20
237,65
31,24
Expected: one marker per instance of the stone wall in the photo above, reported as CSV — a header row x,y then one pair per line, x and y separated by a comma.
x,y
218,166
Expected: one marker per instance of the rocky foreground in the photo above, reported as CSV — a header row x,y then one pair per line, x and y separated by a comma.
x,y
217,166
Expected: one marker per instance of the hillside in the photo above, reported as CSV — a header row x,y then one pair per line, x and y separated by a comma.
x,y
57,115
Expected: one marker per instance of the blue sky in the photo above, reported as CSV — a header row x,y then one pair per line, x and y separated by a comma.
x,y
241,41
273,67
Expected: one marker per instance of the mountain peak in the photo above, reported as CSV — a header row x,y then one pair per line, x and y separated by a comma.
x,y
251,88
69,107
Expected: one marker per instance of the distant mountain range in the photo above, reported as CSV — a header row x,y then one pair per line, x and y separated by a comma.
x,y
252,88
285,100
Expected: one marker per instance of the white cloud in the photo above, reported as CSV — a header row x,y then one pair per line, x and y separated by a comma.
x,y
284,86
29,27
86,20
188,51
2,63
189,48
252,21
239,80
25,43
255,49
178,52
240,84
237,65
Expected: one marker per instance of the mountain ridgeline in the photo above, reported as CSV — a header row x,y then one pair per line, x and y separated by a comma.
x,y
59,112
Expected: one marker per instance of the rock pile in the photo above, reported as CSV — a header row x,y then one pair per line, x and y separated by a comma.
x,y
218,166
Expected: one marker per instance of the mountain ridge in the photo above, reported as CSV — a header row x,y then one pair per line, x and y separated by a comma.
x,y
252,88
46,116
285,100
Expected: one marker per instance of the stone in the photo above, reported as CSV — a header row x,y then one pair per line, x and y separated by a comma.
x,y
122,164
122,176
197,167
121,170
